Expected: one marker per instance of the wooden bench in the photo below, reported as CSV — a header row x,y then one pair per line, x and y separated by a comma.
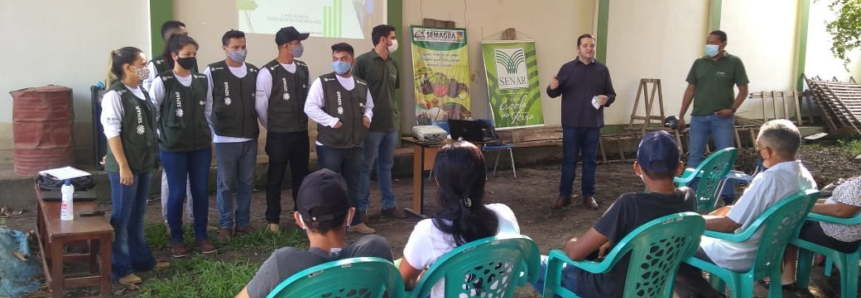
x,y
54,235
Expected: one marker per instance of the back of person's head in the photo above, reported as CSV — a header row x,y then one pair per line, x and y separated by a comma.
x,y
780,137
172,27
174,45
658,157
460,173
118,59
323,202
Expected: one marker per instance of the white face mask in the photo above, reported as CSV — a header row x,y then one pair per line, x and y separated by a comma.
x,y
394,47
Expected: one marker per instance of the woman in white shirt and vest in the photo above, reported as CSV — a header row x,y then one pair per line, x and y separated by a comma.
x,y
460,172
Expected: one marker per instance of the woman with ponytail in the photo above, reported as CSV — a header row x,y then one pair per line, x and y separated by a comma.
x,y
460,173
129,124
185,141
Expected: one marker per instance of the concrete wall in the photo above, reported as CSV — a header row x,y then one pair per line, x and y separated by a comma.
x,y
555,30
64,43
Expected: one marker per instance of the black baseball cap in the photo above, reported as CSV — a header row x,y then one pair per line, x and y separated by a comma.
x,y
288,34
659,152
323,196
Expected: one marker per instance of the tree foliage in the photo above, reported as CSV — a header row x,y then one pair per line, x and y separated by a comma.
x,y
846,29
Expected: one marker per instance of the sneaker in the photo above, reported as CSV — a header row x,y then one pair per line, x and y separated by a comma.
x,y
224,235
178,250
161,265
394,212
205,246
361,228
130,279
244,230
274,228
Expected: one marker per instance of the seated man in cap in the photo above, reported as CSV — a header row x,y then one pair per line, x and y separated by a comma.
x,y
777,143
324,214
657,163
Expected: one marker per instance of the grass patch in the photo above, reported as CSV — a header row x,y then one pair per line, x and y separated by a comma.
x,y
158,238
850,146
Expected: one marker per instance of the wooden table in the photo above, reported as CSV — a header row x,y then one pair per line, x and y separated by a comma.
x,y
54,235
424,155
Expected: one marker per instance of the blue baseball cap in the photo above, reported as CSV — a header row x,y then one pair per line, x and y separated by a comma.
x,y
659,152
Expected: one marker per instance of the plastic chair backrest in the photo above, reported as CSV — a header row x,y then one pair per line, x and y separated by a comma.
x,y
354,277
656,250
779,223
489,267
710,173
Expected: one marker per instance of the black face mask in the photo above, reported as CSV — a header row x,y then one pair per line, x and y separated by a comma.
x,y
187,63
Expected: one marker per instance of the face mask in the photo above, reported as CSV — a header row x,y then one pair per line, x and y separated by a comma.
x,y
394,46
141,72
711,50
238,55
187,62
297,51
341,67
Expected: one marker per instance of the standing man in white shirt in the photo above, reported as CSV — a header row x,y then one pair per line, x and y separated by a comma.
x,y
233,121
282,86
342,106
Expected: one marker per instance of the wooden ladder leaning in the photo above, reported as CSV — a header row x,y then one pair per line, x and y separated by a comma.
x,y
653,119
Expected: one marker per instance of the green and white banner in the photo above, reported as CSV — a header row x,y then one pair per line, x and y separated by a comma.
x,y
512,83
441,72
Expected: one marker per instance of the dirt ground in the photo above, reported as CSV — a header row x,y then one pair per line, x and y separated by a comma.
x,y
530,195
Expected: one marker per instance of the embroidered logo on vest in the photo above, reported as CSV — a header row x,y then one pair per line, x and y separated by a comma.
x,y
140,128
226,93
340,106
286,94
179,112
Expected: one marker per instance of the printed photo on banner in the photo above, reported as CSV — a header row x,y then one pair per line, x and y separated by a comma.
x,y
441,74
511,69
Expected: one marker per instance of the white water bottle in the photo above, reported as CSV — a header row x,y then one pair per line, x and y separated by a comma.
x,y
67,208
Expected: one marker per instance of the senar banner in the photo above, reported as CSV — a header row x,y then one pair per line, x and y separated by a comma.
x,y
441,73
512,83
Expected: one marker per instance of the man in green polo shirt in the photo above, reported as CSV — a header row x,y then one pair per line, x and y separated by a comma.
x,y
710,87
381,72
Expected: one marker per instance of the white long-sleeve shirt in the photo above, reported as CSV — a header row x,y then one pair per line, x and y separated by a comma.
x,y
112,111
147,83
316,100
156,92
239,72
264,90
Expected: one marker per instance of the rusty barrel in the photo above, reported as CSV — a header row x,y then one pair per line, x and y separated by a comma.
x,y
42,120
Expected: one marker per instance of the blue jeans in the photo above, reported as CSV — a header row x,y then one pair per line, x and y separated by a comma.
x,y
379,145
575,141
348,163
701,126
193,166
129,251
568,277
235,159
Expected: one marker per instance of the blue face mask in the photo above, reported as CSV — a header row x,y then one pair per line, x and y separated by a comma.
x,y
297,51
712,50
341,67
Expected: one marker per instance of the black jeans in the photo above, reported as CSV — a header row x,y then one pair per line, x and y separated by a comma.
x,y
348,163
284,148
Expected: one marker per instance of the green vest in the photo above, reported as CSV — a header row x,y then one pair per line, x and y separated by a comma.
x,y
161,65
287,100
349,107
140,142
233,112
182,123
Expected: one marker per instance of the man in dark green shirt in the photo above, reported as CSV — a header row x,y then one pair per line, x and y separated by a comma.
x,y
381,72
710,87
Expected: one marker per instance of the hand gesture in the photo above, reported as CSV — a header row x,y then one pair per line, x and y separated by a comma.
x,y
554,83
339,124
366,121
602,99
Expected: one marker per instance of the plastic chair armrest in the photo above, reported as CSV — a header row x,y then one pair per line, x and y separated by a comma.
x,y
590,266
835,220
742,237
687,176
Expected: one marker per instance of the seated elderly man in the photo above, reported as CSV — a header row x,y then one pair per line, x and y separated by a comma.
x,y
777,143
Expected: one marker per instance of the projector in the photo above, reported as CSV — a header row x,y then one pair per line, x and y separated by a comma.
x,y
429,133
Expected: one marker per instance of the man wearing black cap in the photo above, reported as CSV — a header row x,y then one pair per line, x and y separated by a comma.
x,y
657,163
282,86
323,212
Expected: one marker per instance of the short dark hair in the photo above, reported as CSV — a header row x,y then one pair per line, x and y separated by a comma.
x,y
231,34
324,226
585,35
170,25
342,47
381,31
658,175
720,34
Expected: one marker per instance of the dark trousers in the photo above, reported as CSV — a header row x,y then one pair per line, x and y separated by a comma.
x,y
181,168
577,140
690,281
283,148
348,163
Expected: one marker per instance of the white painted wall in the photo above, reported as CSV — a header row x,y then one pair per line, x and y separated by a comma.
x,y
652,39
64,43
553,24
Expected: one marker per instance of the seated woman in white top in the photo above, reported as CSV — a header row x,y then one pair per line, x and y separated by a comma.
x,y
460,173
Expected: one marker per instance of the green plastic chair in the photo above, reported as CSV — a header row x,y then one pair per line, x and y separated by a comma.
x,y
657,248
710,173
489,267
847,263
778,224
354,277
